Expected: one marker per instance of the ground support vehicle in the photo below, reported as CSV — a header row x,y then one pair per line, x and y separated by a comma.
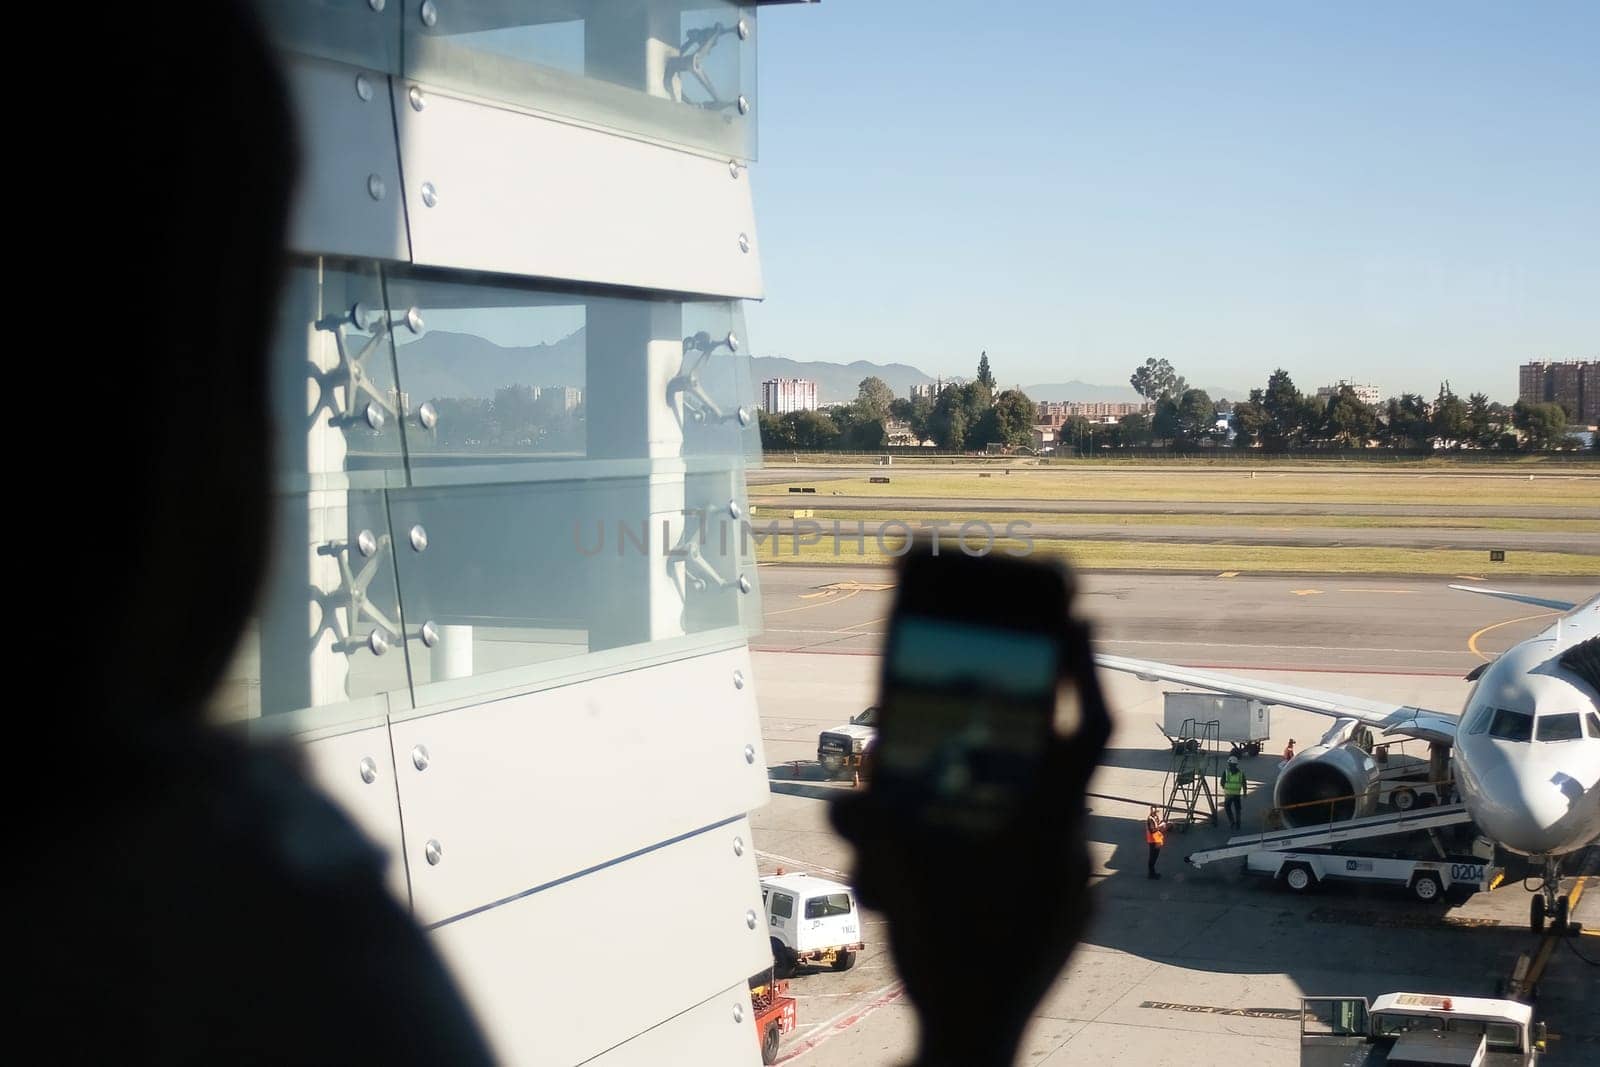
x,y
1418,1028
842,750
1380,848
811,921
1244,725
774,1011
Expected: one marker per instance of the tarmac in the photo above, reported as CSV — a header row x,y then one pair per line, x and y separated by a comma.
x,y
1204,966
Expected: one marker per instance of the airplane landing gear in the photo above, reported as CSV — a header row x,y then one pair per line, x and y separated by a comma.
x,y
1549,901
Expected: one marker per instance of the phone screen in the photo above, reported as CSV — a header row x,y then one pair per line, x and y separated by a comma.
x,y
968,709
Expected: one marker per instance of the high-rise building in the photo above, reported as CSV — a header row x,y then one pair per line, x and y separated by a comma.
x,y
1367,394
1574,384
1056,412
782,395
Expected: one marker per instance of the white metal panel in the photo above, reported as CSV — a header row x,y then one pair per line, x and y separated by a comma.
x,y
347,154
521,194
522,791
335,765
579,968
708,1033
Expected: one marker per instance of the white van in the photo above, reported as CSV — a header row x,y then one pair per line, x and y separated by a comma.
x,y
811,920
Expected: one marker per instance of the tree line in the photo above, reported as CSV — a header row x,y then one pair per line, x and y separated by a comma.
x,y
1276,418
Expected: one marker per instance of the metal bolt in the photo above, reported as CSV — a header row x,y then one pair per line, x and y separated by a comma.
x,y
430,13
414,320
430,195
419,757
375,186
738,846
366,542
744,243
744,104
733,509
733,169
363,87
744,584
749,753
419,538
738,1012
732,341
750,918
738,679
434,851
369,770
374,416
378,641
744,416
376,5
418,98
428,415
744,30
430,634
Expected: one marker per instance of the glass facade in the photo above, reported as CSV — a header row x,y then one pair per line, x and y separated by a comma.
x,y
678,72
483,485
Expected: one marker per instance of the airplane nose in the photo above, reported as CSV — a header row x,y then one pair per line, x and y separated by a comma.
x,y
1525,810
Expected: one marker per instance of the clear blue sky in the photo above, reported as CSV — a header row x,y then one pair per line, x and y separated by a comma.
x,y
1394,192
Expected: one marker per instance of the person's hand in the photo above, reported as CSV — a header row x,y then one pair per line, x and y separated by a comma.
x,y
980,927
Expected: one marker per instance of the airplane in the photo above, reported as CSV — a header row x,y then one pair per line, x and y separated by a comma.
x,y
1525,747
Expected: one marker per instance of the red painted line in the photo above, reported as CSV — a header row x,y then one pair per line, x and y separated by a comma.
x,y
834,1027
1197,666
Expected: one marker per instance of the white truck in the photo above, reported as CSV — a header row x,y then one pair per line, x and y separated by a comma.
x,y
1428,880
811,921
1418,1028
841,749
1242,723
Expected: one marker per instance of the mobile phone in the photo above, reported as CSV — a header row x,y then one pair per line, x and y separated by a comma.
x,y
972,674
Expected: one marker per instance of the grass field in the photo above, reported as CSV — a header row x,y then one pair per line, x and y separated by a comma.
x,y
1453,489
1147,556
1263,523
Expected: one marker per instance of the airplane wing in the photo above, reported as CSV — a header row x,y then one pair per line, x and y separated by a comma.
x,y
1520,598
1384,715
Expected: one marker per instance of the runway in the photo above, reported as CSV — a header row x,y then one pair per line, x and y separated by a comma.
x,y
1370,625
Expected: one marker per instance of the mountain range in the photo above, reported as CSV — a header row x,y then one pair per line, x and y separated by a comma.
x,y
444,363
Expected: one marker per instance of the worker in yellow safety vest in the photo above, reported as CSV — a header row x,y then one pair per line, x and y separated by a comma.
x,y
1233,792
1155,835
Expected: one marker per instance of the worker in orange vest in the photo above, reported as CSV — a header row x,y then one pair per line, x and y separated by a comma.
x,y
1155,835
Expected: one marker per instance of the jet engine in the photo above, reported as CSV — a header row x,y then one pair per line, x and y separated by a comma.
x,y
1336,778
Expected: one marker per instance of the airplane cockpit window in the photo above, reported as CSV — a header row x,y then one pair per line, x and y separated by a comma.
x,y
1593,719
1478,718
1564,727
1511,725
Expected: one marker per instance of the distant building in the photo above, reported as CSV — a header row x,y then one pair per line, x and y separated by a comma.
x,y
1056,412
558,399
1574,384
782,395
898,433
1044,438
1367,394
935,387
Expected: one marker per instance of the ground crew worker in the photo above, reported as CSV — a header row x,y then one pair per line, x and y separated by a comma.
x,y
1233,790
1288,753
1155,835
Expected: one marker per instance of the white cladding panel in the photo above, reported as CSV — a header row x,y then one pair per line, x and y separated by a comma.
x,y
335,764
347,152
522,791
576,969
705,1034
516,193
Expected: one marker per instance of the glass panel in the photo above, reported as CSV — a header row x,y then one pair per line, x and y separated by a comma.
x,y
828,906
715,384
327,633
782,905
1594,724
334,402
521,574
682,72
349,31
1566,727
491,374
